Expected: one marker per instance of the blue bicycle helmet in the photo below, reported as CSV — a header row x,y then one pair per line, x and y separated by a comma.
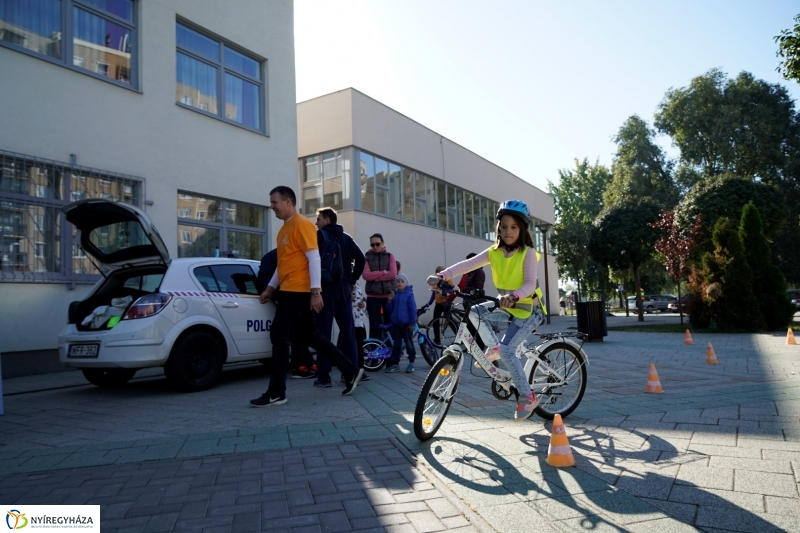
x,y
515,207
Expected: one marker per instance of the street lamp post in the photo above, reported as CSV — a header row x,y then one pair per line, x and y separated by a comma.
x,y
544,228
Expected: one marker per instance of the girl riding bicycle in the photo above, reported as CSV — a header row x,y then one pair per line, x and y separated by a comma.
x,y
514,273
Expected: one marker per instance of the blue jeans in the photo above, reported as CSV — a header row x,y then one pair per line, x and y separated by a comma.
x,y
399,333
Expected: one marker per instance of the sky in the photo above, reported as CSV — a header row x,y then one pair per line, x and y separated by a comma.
x,y
526,84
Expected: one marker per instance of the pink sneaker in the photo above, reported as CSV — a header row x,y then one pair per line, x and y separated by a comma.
x,y
526,407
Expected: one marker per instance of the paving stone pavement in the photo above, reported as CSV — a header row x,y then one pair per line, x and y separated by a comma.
x,y
719,450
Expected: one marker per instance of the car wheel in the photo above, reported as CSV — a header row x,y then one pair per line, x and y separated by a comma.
x,y
648,309
195,363
108,378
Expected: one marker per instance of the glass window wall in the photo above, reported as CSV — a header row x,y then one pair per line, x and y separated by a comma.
x,y
390,189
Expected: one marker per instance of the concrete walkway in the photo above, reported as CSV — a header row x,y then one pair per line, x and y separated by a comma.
x,y
719,450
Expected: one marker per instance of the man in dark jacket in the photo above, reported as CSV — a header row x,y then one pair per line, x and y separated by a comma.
x,y
302,362
337,295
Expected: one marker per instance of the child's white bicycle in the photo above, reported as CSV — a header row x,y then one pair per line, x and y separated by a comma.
x,y
555,366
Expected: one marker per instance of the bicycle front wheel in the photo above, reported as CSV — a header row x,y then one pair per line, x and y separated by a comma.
x,y
445,328
375,355
435,397
558,378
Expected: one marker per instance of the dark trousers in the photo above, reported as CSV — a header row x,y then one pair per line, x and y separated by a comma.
x,y
399,334
376,309
339,306
361,334
293,319
301,356
438,310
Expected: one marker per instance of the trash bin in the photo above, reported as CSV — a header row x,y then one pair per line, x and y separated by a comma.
x,y
592,319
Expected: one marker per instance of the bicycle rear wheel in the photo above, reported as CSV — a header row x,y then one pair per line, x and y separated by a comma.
x,y
559,389
446,327
375,355
435,397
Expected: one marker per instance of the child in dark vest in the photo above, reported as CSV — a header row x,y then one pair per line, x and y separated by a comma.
x,y
402,311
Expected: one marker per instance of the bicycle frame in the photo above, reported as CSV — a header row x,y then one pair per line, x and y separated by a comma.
x,y
466,338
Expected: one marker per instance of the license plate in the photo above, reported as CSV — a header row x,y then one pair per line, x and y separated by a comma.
x,y
460,333
83,350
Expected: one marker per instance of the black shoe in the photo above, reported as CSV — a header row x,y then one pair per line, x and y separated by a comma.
x,y
353,384
265,400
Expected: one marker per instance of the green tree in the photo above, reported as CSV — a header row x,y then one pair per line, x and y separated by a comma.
x,y
640,169
578,197
789,52
622,237
773,305
743,126
723,295
726,196
577,200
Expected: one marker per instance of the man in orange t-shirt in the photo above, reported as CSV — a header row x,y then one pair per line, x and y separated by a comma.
x,y
299,276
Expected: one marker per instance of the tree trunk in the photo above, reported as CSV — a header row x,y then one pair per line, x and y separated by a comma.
x,y
639,303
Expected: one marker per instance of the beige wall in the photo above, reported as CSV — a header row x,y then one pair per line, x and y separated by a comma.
x,y
349,117
52,112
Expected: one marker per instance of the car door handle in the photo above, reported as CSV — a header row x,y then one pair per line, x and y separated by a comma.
x,y
230,305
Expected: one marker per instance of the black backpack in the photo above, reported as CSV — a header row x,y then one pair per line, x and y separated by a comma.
x,y
330,255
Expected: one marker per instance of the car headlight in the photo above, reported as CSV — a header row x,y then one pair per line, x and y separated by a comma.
x,y
148,305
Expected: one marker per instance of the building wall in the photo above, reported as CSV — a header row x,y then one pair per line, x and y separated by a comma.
x,y
349,117
51,112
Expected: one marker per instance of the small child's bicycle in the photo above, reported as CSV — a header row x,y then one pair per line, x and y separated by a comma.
x,y
378,351
555,366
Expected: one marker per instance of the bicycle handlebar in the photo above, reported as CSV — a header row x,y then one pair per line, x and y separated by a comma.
x,y
476,296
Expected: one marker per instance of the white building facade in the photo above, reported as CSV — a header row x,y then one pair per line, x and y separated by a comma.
x,y
185,108
432,200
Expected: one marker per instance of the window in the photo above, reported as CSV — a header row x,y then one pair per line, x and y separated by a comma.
x,y
226,228
91,36
326,181
238,279
216,77
185,212
35,243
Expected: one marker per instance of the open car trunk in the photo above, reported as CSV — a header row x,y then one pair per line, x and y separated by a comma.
x,y
134,282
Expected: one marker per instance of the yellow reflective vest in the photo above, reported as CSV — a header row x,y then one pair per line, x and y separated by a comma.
x,y
508,275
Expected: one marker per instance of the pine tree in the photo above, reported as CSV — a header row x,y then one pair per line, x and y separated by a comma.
x,y
722,291
768,280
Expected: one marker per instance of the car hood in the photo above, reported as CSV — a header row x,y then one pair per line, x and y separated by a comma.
x,y
118,235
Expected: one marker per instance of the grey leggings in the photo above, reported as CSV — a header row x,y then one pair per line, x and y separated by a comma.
x,y
518,331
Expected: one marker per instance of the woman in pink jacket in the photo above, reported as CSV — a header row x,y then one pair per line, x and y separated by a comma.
x,y
380,271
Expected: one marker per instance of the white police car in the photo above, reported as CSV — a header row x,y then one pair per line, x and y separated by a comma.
x,y
188,315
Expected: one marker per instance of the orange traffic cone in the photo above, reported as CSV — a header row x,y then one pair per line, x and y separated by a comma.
x,y
711,357
687,339
653,384
790,337
559,452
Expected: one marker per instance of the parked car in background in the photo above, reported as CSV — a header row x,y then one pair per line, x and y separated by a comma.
x,y
657,303
794,297
679,304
